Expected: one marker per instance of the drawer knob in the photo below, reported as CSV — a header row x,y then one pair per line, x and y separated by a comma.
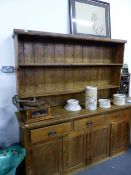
x,y
89,123
52,133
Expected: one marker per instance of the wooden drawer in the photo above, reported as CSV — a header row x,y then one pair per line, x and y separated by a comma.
x,y
116,116
45,133
89,122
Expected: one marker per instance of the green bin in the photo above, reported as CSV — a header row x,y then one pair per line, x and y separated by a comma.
x,y
10,158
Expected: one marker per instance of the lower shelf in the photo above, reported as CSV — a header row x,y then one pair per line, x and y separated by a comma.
x,y
66,91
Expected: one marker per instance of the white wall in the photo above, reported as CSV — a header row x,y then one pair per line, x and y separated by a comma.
x,y
42,15
120,25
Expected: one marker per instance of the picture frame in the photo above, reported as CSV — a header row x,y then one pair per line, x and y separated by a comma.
x,y
90,17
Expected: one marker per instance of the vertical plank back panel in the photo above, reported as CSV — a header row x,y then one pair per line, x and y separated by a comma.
x,y
104,93
107,75
77,54
62,99
108,54
59,78
49,79
118,53
115,74
93,76
69,78
30,81
38,52
48,52
85,77
29,52
94,54
69,53
40,81
86,54
21,52
59,53
100,55
100,76
77,96
77,78
52,100
21,82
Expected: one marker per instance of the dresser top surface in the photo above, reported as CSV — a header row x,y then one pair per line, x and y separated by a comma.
x,y
61,115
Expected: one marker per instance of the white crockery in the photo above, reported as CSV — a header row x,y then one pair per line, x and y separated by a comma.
x,y
119,99
104,103
72,102
72,105
91,98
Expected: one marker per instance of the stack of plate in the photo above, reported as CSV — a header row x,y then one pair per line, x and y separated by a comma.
x,y
72,105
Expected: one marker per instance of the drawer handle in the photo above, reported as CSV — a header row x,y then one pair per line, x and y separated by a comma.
x,y
90,123
52,133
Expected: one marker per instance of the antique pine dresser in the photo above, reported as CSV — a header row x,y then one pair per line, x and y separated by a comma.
x,y
52,68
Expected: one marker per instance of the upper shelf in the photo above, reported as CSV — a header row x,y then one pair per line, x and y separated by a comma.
x,y
20,32
53,64
50,49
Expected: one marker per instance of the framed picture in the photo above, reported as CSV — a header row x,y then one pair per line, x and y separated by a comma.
x,y
90,17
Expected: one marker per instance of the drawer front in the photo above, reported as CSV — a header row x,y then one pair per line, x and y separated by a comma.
x,y
45,133
116,116
89,122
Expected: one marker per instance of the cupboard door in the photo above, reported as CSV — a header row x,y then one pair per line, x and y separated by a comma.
x,y
88,147
47,158
73,151
119,134
99,142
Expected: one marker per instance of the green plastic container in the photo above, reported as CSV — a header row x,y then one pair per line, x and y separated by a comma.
x,y
10,158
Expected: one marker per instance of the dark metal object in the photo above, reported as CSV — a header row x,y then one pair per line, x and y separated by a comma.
x,y
52,133
26,104
32,110
124,83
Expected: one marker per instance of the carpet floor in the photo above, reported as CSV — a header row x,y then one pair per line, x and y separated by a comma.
x,y
120,165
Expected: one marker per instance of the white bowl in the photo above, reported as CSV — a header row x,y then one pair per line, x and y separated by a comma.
x,y
119,99
104,103
72,102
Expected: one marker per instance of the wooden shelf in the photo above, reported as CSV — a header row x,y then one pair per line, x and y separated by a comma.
x,y
60,66
61,92
72,64
41,34
107,87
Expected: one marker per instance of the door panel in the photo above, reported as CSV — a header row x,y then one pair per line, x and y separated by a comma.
x,y
99,143
119,133
47,158
73,151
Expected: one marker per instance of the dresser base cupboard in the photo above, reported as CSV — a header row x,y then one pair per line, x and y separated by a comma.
x,y
66,147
